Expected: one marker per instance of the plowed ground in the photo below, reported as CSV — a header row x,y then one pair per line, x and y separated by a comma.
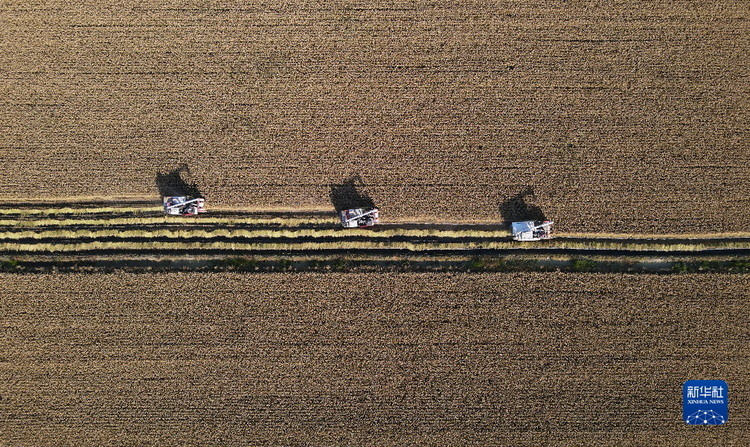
x,y
341,359
620,116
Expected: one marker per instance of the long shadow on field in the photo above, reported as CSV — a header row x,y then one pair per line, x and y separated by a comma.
x,y
177,183
517,208
350,194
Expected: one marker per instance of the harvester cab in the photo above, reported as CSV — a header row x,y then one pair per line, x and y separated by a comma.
x,y
359,217
531,230
184,205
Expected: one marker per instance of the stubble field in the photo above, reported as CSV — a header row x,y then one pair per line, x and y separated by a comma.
x,y
620,116
368,359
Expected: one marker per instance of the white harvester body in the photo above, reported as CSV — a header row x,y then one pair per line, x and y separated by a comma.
x,y
359,217
184,205
531,231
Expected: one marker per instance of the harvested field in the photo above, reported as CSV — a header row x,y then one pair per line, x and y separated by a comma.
x,y
309,359
620,116
93,232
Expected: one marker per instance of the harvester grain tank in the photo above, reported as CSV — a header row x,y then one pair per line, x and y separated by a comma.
x,y
531,230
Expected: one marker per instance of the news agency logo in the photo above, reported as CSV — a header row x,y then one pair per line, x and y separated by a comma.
x,y
704,402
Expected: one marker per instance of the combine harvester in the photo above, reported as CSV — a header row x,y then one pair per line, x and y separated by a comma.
x,y
184,205
359,217
531,230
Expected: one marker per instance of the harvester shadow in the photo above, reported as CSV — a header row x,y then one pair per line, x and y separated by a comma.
x,y
177,183
517,208
350,194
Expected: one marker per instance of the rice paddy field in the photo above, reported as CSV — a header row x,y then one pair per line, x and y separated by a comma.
x,y
625,122
368,359
618,116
